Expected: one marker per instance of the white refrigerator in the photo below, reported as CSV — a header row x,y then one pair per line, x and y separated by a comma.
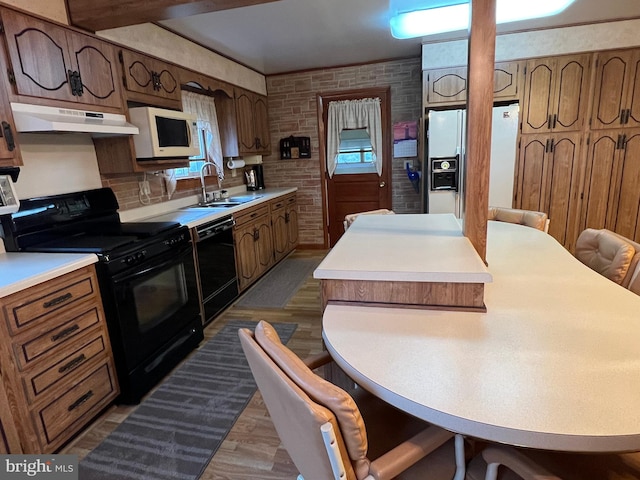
x,y
446,138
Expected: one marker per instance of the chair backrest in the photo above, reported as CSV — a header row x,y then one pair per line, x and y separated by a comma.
x,y
632,278
349,219
528,218
300,402
605,252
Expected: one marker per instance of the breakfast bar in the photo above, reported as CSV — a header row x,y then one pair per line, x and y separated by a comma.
x,y
552,364
405,261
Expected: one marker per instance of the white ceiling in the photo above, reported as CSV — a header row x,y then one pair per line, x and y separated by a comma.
x,y
290,35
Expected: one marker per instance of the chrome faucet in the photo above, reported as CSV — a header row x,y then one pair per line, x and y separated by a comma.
x,y
204,188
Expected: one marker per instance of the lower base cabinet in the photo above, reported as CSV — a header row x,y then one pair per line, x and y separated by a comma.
x,y
58,370
264,235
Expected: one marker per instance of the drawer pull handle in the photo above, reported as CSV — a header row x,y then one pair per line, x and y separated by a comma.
x,y
73,363
81,400
57,300
253,215
65,333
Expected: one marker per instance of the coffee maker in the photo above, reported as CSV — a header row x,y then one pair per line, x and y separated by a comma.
x,y
255,178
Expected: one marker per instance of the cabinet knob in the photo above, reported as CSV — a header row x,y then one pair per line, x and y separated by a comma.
x,y
383,184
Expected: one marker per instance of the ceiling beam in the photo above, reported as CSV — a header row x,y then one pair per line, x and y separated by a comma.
x,y
94,15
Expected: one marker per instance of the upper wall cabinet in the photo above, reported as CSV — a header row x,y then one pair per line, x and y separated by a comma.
x,y
253,123
53,62
9,149
555,94
616,102
448,86
149,80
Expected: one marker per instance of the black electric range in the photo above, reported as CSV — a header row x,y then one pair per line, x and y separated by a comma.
x,y
145,270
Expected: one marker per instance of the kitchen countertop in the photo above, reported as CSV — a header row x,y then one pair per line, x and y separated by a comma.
x,y
23,270
194,216
20,270
404,248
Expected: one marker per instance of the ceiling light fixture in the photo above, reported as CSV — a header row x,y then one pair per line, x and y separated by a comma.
x,y
420,23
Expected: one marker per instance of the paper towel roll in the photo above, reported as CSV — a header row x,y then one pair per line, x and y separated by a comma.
x,y
231,164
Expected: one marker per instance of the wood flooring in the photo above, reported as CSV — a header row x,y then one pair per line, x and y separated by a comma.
x,y
252,449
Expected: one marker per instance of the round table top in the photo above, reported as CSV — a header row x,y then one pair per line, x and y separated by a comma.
x,y
554,363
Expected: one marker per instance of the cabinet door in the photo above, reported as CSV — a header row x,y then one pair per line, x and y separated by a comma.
x,y
97,65
246,258
537,114
632,118
39,57
264,244
562,187
244,117
555,94
616,101
571,92
506,81
292,225
600,181
261,125
609,102
628,186
447,85
531,172
9,149
146,75
280,233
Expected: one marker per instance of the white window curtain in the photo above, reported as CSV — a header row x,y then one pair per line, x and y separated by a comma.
x,y
204,108
349,114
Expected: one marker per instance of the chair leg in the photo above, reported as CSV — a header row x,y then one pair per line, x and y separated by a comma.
x,y
461,465
492,471
331,444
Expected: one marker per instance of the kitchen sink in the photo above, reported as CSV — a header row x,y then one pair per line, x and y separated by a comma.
x,y
219,204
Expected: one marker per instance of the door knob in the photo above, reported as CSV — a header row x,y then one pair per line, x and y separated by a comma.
x,y
382,184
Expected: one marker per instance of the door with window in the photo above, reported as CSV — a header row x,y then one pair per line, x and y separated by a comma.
x,y
360,178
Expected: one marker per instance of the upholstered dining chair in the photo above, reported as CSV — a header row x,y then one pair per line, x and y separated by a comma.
x,y
330,436
528,218
349,219
508,463
608,253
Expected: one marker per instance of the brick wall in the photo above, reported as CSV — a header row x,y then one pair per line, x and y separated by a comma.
x,y
293,111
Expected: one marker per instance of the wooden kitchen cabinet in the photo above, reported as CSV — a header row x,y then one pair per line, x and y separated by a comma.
x,y
9,148
284,221
254,244
549,180
448,86
611,193
616,101
58,370
252,123
149,80
556,94
56,63
9,440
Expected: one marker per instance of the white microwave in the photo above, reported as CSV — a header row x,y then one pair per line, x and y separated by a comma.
x,y
164,133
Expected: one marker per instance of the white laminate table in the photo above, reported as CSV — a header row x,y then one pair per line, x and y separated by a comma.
x,y
554,363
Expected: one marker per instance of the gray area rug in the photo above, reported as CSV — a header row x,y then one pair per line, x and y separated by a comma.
x,y
278,286
174,432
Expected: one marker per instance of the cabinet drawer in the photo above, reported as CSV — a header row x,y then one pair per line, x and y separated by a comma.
x,y
39,304
92,391
251,215
79,321
62,369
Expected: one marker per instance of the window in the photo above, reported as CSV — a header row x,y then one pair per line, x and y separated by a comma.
x,y
355,153
203,106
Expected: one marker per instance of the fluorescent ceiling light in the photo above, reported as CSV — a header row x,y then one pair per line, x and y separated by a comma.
x,y
420,23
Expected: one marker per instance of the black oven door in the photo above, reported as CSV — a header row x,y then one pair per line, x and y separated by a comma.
x,y
154,301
